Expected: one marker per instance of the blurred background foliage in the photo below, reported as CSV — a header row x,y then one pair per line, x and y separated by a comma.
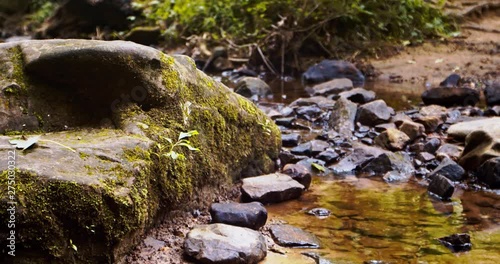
x,y
328,23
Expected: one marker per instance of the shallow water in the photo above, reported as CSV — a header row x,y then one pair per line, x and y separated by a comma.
x,y
373,220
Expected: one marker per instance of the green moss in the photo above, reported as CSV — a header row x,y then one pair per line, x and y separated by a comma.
x,y
18,75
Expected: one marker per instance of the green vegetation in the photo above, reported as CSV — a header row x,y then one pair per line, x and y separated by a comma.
x,y
328,24
182,141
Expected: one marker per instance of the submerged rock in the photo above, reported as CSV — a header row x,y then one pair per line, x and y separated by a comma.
x,y
251,215
333,69
271,188
220,243
457,242
117,104
291,236
319,212
252,86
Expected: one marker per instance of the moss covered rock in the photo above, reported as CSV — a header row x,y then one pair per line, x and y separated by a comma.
x,y
103,171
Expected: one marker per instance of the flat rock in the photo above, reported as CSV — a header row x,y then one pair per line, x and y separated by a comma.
x,y
332,69
220,243
358,95
290,140
320,101
360,155
251,215
291,236
461,130
271,188
398,162
334,86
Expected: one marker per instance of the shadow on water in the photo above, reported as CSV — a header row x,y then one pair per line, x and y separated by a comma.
x,y
373,220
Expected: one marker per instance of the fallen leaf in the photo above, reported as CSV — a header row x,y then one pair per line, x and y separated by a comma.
x,y
24,144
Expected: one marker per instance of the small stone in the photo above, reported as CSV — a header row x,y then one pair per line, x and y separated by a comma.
x,y
374,113
425,157
329,156
299,173
449,169
412,129
318,146
383,127
285,121
457,242
441,186
302,149
392,139
319,212
334,86
449,150
290,140
432,145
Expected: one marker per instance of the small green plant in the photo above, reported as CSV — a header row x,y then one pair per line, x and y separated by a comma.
x,y
182,141
318,167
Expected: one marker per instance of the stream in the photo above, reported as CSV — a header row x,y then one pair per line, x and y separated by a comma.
x,y
386,223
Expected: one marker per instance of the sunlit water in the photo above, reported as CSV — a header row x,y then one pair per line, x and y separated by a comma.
x,y
373,220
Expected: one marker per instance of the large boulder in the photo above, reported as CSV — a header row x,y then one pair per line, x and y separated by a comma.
x,y
102,171
75,17
220,243
482,140
450,96
333,69
252,86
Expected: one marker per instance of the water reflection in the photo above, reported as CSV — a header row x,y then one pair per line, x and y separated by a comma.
x,y
396,223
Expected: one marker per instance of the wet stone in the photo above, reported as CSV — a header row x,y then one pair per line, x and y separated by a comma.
x,y
290,140
374,113
392,139
286,111
319,212
449,150
304,149
489,173
308,164
284,121
299,173
329,156
360,155
367,141
286,157
449,169
271,188
457,242
251,215
425,157
432,145
343,117
318,146
309,111
334,86
412,129
441,186
291,236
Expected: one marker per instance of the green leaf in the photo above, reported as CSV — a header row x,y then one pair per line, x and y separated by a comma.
x,y
191,133
189,146
169,140
24,144
318,167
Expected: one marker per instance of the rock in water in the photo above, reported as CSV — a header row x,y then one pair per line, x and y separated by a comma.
x,y
489,173
291,236
374,113
450,96
117,104
271,188
441,186
251,215
457,242
220,243
252,86
343,117
333,69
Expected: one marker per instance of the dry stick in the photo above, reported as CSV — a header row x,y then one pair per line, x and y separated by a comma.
x,y
266,61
